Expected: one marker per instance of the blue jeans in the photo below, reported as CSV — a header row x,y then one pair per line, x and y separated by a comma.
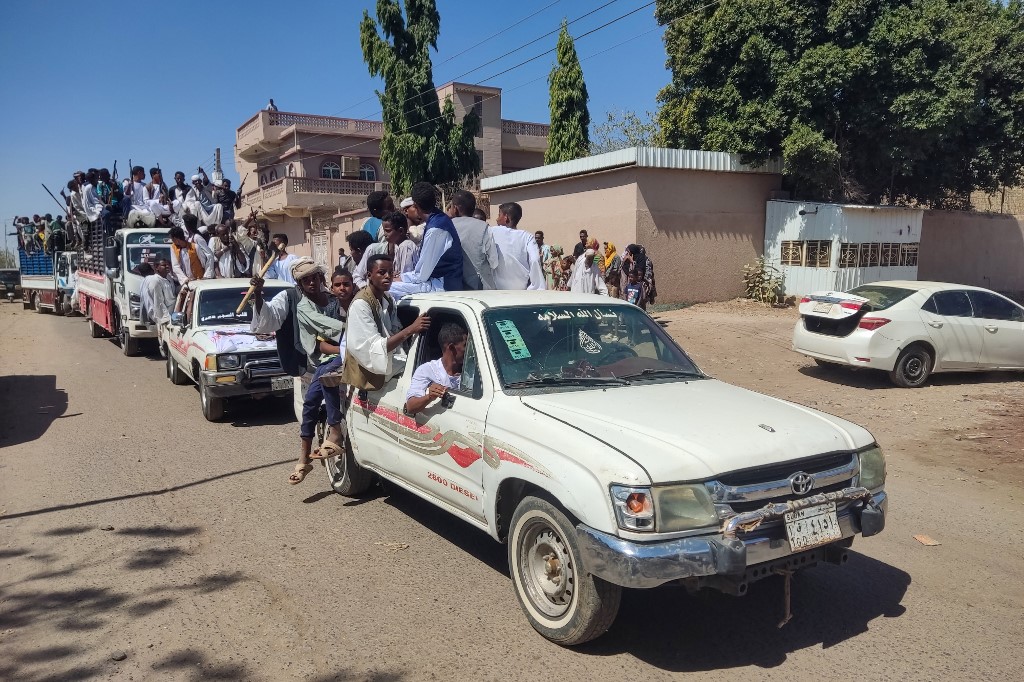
x,y
317,393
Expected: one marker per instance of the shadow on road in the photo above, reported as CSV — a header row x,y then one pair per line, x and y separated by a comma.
x,y
147,493
264,412
876,379
29,405
712,631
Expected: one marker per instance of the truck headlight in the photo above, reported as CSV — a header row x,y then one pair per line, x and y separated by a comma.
x,y
228,362
872,468
134,306
684,507
634,508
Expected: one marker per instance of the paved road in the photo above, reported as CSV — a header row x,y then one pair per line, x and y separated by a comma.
x,y
216,568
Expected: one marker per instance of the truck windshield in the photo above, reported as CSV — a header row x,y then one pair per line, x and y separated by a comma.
x,y
10,277
577,344
217,306
146,247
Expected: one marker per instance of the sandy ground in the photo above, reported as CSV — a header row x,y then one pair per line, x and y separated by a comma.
x,y
129,526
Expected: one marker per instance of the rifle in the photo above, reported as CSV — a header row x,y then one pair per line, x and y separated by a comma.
x,y
65,208
113,175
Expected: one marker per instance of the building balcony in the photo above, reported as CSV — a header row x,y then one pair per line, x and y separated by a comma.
x,y
296,197
264,132
524,135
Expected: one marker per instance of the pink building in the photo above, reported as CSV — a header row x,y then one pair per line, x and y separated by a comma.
x,y
302,169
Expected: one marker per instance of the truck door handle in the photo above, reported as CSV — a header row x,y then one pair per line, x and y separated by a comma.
x,y
937,325
990,328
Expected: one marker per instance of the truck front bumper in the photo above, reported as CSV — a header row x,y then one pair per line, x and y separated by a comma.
x,y
728,553
236,383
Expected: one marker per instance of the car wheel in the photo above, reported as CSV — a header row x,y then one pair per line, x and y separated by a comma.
x,y
560,599
346,476
913,367
213,408
129,346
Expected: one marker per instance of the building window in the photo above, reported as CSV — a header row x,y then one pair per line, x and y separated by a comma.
x,y
263,178
816,253
908,254
291,170
478,109
330,171
792,253
367,173
884,254
848,255
273,174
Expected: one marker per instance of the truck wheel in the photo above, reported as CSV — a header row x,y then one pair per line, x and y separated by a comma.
x,y
560,599
129,346
95,331
174,372
213,408
346,476
913,367
39,305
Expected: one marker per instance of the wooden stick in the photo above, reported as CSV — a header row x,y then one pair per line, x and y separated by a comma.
x,y
252,288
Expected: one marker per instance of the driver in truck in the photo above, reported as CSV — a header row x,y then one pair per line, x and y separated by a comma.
x,y
432,380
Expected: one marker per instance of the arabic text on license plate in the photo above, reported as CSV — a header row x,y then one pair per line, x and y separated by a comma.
x,y
280,383
812,527
822,307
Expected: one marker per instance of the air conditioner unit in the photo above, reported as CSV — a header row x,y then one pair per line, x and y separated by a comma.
x,y
350,167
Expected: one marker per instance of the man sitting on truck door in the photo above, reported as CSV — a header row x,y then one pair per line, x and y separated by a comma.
x,y
309,314
192,260
157,295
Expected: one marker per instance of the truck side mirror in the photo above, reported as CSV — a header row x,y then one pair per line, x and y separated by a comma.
x,y
112,256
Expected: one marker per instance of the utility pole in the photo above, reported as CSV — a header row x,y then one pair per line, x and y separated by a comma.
x,y
218,174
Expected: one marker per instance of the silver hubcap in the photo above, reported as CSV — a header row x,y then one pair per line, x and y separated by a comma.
x,y
547,570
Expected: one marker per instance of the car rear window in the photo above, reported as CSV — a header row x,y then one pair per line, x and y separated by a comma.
x,y
880,297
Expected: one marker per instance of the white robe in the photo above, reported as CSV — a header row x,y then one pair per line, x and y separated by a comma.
x,y
519,266
156,298
365,342
584,280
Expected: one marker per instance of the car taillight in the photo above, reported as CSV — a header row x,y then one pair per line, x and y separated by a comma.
x,y
805,299
873,323
850,305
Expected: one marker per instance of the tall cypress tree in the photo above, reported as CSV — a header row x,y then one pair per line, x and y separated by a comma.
x,y
570,119
419,143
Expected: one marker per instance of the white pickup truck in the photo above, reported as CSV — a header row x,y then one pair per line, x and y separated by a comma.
x,y
211,345
585,438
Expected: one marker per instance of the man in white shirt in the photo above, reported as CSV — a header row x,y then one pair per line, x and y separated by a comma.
x,y
432,380
199,201
192,260
375,335
157,295
415,229
480,256
586,278
282,267
520,267
232,261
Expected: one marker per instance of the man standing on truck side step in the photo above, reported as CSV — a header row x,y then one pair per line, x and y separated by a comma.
x,y
439,266
282,267
192,260
433,379
156,300
374,351
307,305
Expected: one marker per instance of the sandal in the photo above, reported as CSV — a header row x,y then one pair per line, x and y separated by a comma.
x,y
299,474
327,450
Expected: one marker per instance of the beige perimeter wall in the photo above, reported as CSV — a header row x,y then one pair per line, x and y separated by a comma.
x,y
979,249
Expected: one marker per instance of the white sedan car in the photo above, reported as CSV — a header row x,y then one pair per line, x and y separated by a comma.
x,y
911,329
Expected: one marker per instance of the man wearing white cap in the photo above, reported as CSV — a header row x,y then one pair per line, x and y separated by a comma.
x,y
415,231
200,202
586,278
519,266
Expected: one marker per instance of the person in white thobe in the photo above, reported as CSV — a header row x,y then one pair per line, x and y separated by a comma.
x,y
181,265
585,277
520,266
157,295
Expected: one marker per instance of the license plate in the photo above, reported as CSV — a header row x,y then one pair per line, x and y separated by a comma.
x,y
812,527
823,307
280,383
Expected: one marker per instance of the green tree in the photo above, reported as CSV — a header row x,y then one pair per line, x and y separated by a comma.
x,y
906,101
622,130
570,119
420,141
8,259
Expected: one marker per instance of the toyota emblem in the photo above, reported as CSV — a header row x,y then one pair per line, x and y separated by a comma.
x,y
801,483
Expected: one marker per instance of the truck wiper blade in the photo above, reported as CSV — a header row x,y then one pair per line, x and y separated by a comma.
x,y
652,372
567,381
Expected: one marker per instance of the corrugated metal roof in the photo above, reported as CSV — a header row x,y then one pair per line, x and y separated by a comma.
x,y
641,157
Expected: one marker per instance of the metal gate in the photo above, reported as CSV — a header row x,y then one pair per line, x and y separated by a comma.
x,y
320,256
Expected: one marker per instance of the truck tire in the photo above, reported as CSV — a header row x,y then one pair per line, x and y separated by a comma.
x,y
95,331
345,475
129,346
213,408
561,600
38,305
913,367
174,372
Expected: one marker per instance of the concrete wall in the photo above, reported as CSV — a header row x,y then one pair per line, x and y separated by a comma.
x,y
700,228
602,203
979,249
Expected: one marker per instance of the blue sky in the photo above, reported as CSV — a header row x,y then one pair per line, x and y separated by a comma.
x,y
83,85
